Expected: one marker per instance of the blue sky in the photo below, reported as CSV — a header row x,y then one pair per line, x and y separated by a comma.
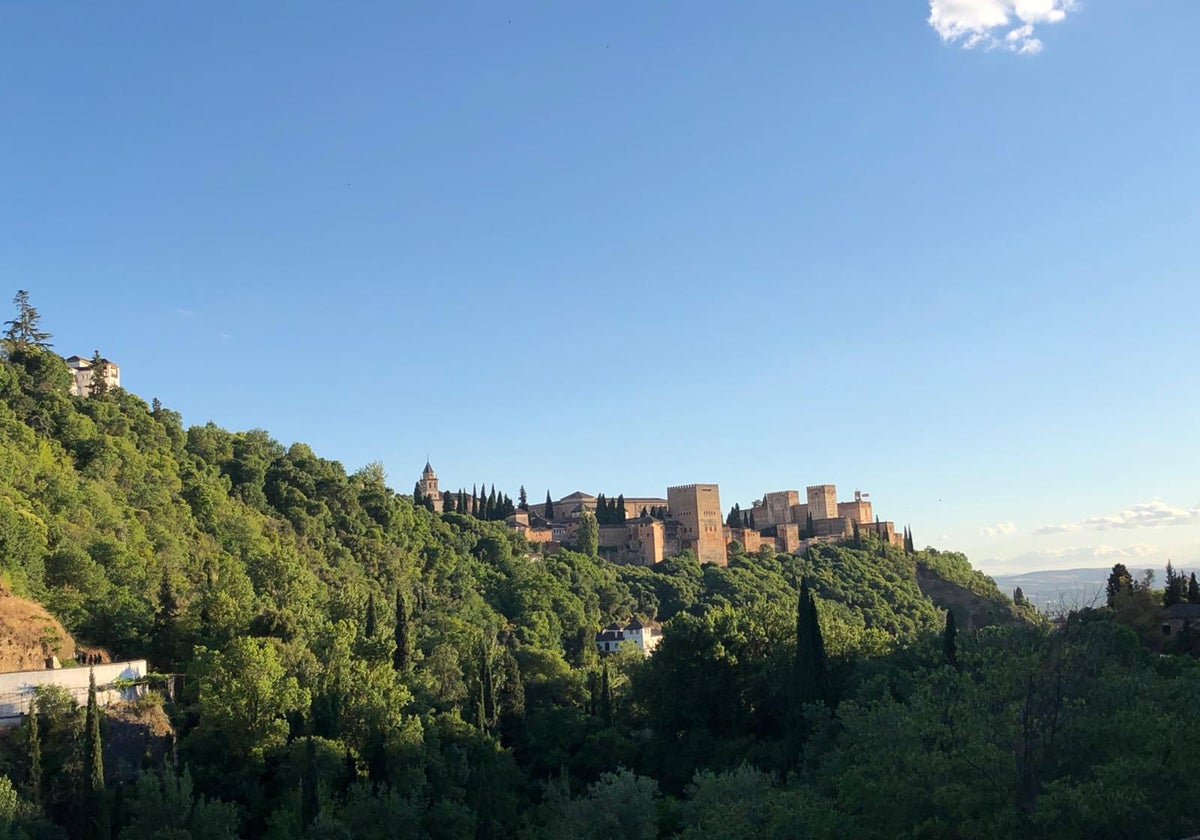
x,y
946,254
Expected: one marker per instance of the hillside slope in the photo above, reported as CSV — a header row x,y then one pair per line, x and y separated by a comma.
x,y
29,635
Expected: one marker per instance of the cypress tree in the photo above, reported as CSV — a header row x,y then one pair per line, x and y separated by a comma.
x,y
487,694
165,617
1171,587
448,501
310,805
620,508
400,654
369,624
350,769
1193,593
808,527
93,750
35,756
417,500
811,679
950,640
491,505
511,697
606,708
523,499
587,538
857,535
474,503
94,817
549,511
752,525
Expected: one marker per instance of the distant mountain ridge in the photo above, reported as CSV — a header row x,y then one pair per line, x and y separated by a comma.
x,y
1055,590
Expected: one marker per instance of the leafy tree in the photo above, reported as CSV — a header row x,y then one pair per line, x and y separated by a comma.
x,y
1019,597
245,694
1120,582
166,806
619,805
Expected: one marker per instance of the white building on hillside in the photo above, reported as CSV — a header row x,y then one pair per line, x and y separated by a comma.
x,y
646,635
83,373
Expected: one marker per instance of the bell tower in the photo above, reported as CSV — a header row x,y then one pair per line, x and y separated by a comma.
x,y
429,487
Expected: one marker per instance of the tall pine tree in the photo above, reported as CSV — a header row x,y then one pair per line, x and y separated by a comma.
x,y
23,331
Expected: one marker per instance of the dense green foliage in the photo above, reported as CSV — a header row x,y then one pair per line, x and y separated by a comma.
x,y
358,666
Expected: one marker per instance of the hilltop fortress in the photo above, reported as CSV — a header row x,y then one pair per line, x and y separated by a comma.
x,y
646,530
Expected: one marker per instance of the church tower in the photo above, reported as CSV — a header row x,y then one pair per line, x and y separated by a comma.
x,y
429,487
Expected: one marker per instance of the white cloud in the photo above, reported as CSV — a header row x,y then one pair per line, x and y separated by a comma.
x,y
1154,514
996,24
998,530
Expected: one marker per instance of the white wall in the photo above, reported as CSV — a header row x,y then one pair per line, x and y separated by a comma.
x,y
17,687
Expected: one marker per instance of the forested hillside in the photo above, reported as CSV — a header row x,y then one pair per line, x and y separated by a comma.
x,y
355,666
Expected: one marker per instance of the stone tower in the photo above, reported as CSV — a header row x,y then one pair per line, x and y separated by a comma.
x,y
429,487
822,501
697,509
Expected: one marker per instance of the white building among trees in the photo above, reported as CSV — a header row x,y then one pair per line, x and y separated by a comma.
x,y
84,371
